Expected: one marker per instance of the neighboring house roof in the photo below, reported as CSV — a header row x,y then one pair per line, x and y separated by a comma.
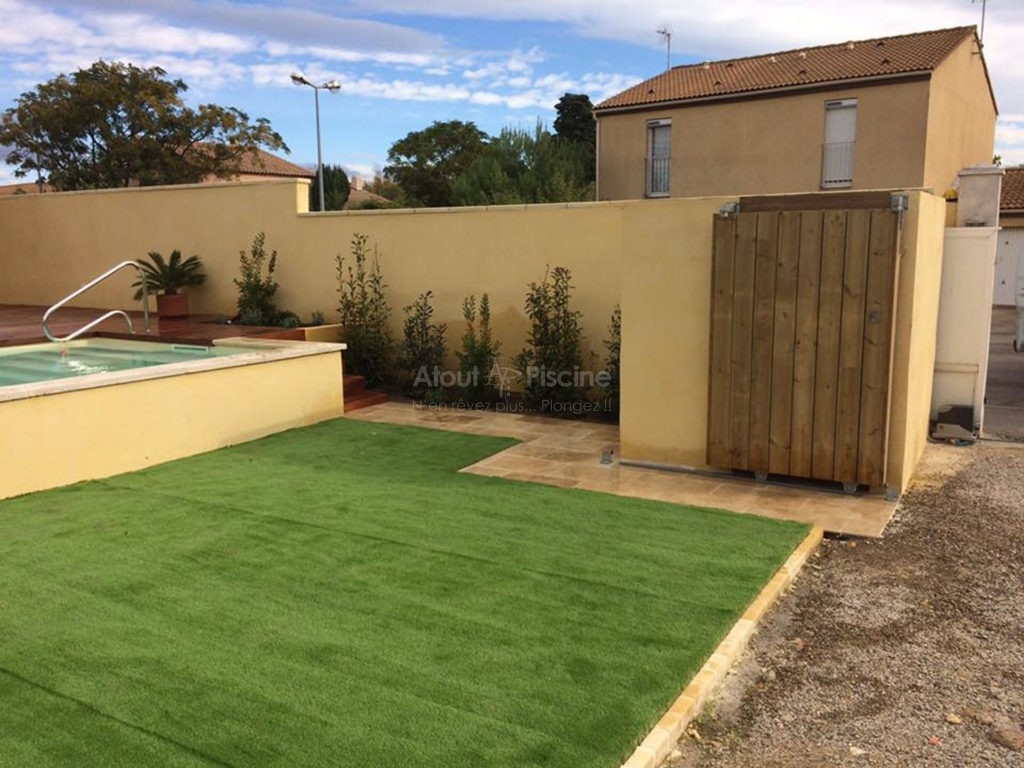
x,y
262,164
883,58
24,188
358,197
1012,195
266,164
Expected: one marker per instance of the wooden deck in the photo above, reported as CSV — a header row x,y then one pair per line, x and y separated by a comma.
x,y
22,324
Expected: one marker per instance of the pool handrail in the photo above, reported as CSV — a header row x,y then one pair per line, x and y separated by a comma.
x,y
111,313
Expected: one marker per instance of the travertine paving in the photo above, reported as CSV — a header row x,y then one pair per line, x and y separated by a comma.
x,y
569,454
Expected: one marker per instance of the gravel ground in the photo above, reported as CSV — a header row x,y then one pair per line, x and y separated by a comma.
x,y
902,651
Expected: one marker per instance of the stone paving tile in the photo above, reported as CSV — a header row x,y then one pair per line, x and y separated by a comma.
x,y
568,454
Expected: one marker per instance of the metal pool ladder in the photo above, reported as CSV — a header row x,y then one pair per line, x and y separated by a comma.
x,y
111,313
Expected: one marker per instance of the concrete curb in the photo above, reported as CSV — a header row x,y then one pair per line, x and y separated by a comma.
x,y
663,737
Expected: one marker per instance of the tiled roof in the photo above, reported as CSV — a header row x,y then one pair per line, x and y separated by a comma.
x,y
266,164
881,57
1012,197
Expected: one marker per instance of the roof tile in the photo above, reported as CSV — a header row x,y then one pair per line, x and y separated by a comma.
x,y
879,57
1012,197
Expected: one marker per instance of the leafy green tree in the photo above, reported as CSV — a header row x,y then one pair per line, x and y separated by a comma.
x,y
575,124
117,125
387,188
426,163
336,189
521,166
575,121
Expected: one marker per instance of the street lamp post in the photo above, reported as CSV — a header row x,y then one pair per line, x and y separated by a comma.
x,y
333,86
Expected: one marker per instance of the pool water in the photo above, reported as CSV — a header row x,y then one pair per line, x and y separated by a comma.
x,y
47,362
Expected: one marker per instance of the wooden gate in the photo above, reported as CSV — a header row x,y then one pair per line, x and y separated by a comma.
x,y
801,339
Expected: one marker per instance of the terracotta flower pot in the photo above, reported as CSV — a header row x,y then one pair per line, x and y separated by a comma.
x,y
172,305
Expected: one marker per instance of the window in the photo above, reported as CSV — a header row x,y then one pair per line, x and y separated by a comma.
x,y
659,157
837,151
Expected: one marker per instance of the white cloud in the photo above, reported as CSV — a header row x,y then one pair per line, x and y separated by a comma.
x,y
220,44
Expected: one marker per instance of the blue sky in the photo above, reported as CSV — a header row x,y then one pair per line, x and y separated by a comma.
x,y
405,63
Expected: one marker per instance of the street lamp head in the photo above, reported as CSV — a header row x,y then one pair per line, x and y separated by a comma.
x,y
332,86
299,79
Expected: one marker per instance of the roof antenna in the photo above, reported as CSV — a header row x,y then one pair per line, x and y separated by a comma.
x,y
664,32
981,36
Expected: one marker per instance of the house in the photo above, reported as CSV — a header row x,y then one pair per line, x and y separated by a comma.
x,y
263,165
252,167
1009,279
898,112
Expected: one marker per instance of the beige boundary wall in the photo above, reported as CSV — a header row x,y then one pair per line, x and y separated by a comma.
x,y
653,257
51,244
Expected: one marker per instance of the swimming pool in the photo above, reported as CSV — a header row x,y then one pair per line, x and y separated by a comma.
x,y
93,408
46,362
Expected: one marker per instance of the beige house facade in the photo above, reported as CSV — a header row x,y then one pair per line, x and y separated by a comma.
x,y
899,112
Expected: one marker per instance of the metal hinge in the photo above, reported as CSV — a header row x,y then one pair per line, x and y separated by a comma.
x,y
730,208
899,203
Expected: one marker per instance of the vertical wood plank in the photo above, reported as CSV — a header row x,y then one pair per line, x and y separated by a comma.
x,y
741,343
783,376
830,307
723,256
879,313
763,335
851,345
805,346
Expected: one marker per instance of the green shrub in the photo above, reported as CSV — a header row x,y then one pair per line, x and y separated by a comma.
x,y
612,363
364,313
256,290
552,358
479,351
423,348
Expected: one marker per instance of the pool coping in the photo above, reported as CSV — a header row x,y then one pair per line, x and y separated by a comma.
x,y
661,740
261,351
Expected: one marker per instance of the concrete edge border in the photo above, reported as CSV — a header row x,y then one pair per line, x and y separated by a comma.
x,y
663,737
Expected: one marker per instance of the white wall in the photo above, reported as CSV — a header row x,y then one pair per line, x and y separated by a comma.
x,y
1009,266
965,318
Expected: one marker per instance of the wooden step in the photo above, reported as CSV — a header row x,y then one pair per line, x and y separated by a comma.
x,y
353,384
364,399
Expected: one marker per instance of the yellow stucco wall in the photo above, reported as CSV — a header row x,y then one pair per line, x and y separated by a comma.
x,y
909,135
461,251
666,299
51,441
961,118
53,243
914,345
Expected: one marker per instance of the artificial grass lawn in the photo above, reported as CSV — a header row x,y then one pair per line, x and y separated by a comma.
x,y
338,595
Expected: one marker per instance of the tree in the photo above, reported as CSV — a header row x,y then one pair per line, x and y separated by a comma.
x,y
575,123
116,125
426,163
521,166
336,189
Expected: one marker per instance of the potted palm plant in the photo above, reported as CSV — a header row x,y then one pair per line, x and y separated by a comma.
x,y
167,278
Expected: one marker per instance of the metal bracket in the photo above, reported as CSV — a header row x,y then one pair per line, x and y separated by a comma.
x,y
729,208
899,203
